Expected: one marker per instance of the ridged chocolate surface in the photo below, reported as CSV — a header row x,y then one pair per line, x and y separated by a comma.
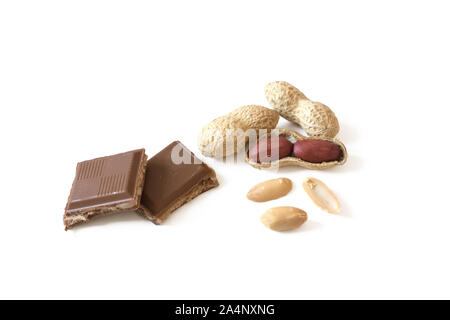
x,y
105,181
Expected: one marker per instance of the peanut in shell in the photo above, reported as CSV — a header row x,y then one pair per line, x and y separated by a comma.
x,y
315,118
226,135
295,136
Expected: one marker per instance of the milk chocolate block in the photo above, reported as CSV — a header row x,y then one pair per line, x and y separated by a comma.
x,y
105,186
173,177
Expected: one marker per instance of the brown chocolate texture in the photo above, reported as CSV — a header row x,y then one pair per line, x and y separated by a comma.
x,y
105,186
173,177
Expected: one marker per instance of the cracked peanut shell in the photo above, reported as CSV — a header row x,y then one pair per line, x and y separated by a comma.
x,y
294,136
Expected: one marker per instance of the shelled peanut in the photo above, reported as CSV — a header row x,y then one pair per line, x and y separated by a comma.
x,y
284,218
271,149
321,195
270,190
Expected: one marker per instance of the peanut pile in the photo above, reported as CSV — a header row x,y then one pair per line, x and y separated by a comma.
x,y
254,127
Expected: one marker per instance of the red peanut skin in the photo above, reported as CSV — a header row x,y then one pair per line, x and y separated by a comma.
x,y
317,151
263,151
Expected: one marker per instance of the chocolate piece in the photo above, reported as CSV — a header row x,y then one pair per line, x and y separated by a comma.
x,y
170,184
106,185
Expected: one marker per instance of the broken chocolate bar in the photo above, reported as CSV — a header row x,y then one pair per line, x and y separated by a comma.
x,y
105,186
173,177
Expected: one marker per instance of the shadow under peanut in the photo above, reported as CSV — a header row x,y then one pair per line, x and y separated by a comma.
x,y
353,164
309,225
347,133
345,208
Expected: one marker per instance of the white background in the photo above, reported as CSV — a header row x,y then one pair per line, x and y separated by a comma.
x,y
83,79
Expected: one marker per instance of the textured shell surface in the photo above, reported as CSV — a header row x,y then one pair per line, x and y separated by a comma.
x,y
315,118
213,139
283,96
257,117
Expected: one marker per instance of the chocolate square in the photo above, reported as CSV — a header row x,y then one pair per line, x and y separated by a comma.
x,y
104,186
173,177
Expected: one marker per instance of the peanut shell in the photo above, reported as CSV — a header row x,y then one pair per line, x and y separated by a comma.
x,y
294,136
315,118
213,139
